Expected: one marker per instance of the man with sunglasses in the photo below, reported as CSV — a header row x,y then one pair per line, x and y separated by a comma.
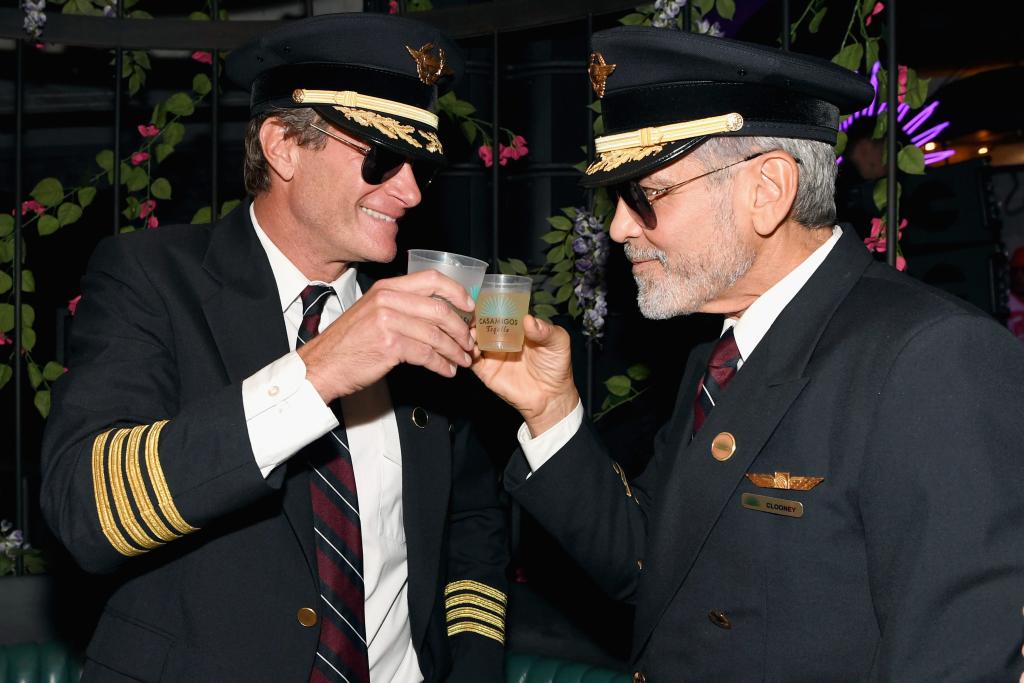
x,y
837,496
259,442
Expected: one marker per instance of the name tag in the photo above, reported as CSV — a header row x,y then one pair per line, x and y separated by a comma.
x,y
776,506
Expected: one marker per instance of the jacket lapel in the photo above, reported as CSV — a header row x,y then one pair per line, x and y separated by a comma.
x,y
698,487
244,315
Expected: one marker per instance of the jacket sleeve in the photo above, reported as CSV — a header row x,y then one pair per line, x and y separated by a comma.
x,y
127,466
942,506
476,593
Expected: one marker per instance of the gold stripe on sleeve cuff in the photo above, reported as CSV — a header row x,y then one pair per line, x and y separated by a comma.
x,y
476,601
159,483
138,487
476,586
479,629
478,614
103,510
120,492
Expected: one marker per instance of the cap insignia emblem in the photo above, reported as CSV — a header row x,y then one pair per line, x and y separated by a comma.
x,y
430,67
599,72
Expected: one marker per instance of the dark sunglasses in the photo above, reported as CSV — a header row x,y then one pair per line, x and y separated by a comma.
x,y
640,199
381,164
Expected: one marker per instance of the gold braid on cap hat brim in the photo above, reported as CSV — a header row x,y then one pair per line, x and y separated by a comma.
x,y
351,98
622,148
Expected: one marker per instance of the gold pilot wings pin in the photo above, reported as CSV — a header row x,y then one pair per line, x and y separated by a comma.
x,y
784,481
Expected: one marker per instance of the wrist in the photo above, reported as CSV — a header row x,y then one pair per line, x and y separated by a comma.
x,y
551,413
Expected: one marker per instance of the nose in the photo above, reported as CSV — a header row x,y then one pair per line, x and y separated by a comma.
x,y
624,224
402,186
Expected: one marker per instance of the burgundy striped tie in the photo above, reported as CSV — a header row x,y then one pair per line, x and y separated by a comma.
x,y
722,368
341,654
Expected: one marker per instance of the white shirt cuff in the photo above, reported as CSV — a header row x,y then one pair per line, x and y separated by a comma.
x,y
539,449
283,412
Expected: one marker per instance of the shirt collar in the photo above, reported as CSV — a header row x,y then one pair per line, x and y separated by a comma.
x,y
755,322
290,280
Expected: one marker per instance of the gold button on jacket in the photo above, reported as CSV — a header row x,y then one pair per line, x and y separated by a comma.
x,y
307,616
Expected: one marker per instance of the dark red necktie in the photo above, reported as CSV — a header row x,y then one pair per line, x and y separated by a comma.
x,y
722,368
341,654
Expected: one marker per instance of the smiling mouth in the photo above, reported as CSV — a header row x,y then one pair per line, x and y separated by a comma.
x,y
378,215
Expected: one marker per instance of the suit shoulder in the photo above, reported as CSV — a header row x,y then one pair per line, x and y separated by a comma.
x,y
150,247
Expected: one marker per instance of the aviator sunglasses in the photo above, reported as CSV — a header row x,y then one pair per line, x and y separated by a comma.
x,y
381,163
640,199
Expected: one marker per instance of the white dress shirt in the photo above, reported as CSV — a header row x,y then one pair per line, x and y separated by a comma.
x,y
751,327
284,413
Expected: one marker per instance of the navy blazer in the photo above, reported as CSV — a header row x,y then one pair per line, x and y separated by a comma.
x,y
908,561
212,561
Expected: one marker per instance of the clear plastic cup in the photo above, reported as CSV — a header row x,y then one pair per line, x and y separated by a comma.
x,y
503,301
466,270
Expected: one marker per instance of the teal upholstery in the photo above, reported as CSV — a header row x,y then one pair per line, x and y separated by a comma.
x,y
521,668
38,663
53,663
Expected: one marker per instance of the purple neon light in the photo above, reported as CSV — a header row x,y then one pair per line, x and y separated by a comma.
x,y
933,157
930,134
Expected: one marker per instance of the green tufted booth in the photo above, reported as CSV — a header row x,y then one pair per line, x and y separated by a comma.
x,y
52,663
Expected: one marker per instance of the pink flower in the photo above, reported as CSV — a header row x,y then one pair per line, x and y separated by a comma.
x,y
152,222
901,263
486,155
4,339
504,154
876,240
202,57
393,7
149,131
902,90
147,207
878,8
73,304
32,205
518,147
139,158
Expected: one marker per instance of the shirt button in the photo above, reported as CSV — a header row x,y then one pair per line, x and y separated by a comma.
x,y
273,391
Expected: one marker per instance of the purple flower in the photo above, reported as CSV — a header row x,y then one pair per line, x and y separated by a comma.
x,y
580,245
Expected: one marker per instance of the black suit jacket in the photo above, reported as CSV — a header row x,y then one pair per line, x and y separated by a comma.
x,y
170,323
908,562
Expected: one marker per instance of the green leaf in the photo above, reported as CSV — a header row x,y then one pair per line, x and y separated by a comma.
x,y
841,140
228,206
725,8
560,278
556,254
917,89
911,160
6,317
6,282
159,117
634,19
545,311
134,83
47,224
127,228
881,126
105,159
570,211
703,6
459,108
126,66
865,8
469,130
180,104
199,16
870,54
48,192
563,294
68,213
86,195
28,281
6,224
638,372
518,267
582,166
35,375
542,297
599,125
881,193
819,16
595,106
142,58
553,237
6,250
618,385
140,14
53,371
562,266
161,188
173,133
136,179
202,215
42,402
28,315
5,376
162,150
28,338
849,57
560,223
201,84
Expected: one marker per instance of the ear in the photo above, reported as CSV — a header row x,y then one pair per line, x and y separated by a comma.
x,y
774,179
278,149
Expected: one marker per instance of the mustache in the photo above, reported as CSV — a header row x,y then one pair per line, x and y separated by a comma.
x,y
634,254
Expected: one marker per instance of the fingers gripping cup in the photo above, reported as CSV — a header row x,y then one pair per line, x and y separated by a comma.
x,y
467,271
503,301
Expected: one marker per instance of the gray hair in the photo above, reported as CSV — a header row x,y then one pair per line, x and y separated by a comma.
x,y
815,203
298,123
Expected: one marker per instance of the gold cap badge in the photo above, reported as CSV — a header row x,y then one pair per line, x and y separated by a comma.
x,y
430,67
785,481
599,72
